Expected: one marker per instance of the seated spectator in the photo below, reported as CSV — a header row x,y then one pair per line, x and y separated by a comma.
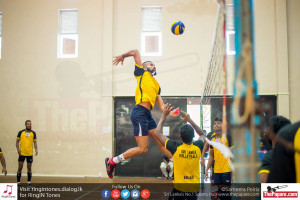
x,y
166,167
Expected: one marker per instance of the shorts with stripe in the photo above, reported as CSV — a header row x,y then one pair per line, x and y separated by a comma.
x,y
142,120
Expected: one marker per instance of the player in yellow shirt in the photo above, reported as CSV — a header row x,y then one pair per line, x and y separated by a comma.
x,y
186,156
222,170
3,163
25,140
146,95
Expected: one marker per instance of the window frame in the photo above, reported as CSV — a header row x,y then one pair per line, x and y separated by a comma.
x,y
144,34
143,43
61,36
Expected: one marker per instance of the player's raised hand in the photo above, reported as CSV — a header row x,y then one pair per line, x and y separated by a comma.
x,y
186,117
174,113
118,59
167,109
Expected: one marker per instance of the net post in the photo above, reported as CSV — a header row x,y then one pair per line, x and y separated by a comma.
x,y
244,130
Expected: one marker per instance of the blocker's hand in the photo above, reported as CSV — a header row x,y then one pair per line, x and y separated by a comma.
x,y
167,109
186,117
117,60
174,113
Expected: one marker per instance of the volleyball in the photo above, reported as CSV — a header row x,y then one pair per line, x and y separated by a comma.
x,y
177,28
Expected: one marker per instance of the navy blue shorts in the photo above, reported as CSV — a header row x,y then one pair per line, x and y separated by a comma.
x,y
222,178
142,120
29,159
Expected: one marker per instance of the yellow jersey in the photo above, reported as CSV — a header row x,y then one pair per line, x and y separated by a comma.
x,y
147,88
26,141
221,164
186,159
297,155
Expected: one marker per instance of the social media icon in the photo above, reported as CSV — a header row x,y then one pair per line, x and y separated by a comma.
x,y
125,194
135,194
145,194
105,194
115,194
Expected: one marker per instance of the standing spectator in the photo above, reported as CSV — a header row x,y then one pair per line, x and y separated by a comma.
x,y
27,139
262,151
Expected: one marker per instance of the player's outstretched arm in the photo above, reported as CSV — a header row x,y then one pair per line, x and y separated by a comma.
x,y
186,117
158,131
160,104
135,53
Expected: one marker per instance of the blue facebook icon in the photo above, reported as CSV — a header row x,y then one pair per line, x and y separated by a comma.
x,y
105,193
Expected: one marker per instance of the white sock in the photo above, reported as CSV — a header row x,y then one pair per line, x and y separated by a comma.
x,y
118,158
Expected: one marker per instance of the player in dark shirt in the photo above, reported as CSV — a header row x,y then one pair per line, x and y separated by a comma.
x,y
285,167
276,123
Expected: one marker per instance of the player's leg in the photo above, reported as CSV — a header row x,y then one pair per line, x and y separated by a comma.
x,y
142,142
151,131
29,165
20,167
163,168
224,187
140,131
160,146
172,169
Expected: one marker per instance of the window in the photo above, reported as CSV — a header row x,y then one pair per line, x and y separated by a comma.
x,y
230,48
151,32
230,33
0,33
67,34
